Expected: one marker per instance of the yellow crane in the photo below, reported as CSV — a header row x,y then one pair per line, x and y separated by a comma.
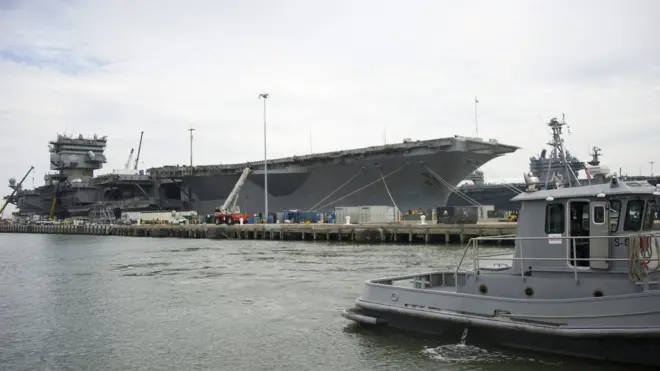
x,y
51,216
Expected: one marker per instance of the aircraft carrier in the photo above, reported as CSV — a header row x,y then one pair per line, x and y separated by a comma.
x,y
71,189
410,175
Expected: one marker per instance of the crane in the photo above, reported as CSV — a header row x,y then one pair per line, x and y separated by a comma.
x,y
16,188
138,154
229,212
51,215
128,162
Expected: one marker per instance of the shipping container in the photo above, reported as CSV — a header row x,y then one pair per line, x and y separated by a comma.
x,y
372,214
377,215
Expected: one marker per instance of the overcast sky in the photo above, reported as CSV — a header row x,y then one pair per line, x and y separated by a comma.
x,y
353,72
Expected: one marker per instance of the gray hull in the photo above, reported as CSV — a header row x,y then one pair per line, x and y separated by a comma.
x,y
78,201
620,326
309,187
637,350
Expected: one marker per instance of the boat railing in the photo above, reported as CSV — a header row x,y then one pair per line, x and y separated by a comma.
x,y
643,250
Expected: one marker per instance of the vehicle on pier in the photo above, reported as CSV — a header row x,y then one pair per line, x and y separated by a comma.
x,y
583,280
229,212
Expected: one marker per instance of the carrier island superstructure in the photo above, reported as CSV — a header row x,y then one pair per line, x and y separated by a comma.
x,y
72,189
408,175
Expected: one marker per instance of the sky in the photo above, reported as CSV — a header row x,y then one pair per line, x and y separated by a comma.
x,y
346,74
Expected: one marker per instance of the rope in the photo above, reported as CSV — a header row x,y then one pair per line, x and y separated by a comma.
x,y
639,258
335,191
388,192
452,188
359,189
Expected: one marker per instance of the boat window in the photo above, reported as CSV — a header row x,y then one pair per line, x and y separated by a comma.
x,y
633,220
599,214
649,215
554,218
615,211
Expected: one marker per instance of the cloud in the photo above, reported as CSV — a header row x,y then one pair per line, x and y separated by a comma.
x,y
349,71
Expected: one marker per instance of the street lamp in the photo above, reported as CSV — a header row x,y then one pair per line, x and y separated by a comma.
x,y
191,141
265,98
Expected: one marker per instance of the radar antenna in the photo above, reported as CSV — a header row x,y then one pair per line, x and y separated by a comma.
x,y
558,151
595,154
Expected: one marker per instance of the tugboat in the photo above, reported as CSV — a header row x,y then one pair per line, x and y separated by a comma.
x,y
584,278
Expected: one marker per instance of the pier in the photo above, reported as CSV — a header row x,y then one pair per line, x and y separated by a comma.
x,y
365,233
359,233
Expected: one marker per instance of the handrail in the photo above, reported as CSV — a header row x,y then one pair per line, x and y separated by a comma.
x,y
473,244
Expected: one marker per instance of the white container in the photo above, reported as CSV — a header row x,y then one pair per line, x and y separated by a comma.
x,y
377,215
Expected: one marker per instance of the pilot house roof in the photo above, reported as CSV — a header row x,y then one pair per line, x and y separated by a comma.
x,y
613,188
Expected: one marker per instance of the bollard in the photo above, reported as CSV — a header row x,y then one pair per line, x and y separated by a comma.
x,y
240,221
348,220
423,219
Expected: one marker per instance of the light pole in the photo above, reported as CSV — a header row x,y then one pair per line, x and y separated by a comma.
x,y
265,98
191,140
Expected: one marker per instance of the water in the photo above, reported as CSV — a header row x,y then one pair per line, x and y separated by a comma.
x,y
119,303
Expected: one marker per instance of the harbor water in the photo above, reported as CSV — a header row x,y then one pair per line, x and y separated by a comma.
x,y
122,303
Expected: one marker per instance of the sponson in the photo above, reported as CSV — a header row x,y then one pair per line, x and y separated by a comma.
x,y
582,280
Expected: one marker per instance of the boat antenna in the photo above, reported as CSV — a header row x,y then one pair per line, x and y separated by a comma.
x,y
559,152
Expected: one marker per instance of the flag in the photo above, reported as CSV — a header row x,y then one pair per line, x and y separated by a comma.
x,y
586,171
476,100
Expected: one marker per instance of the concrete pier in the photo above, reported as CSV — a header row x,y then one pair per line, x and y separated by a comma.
x,y
362,233
366,233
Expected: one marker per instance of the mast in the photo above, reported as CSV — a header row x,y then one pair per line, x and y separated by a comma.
x,y
559,152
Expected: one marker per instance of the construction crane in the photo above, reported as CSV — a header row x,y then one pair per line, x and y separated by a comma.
x,y
229,213
138,154
128,162
16,188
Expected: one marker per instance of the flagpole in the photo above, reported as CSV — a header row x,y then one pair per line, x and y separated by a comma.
x,y
476,124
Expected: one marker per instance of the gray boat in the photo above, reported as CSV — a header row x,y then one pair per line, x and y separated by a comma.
x,y
583,279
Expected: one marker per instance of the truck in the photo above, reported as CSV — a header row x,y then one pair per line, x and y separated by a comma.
x,y
229,213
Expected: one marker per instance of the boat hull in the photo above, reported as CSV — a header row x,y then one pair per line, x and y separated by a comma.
x,y
128,197
323,187
616,346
